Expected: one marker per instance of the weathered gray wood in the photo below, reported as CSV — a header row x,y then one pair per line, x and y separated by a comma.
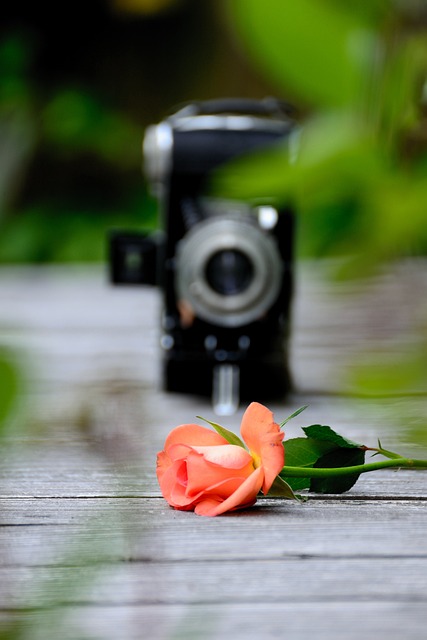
x,y
59,478
255,620
81,329
126,529
206,582
88,548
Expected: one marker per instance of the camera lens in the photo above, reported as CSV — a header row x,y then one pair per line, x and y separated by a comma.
x,y
229,272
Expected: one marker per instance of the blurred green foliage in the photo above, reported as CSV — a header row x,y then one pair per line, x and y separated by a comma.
x,y
78,85
355,170
72,118
74,121
48,214
9,386
358,71
305,47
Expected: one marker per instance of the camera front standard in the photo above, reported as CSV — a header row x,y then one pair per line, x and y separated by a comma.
x,y
224,267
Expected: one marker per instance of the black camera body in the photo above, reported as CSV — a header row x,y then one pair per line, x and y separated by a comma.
x,y
224,267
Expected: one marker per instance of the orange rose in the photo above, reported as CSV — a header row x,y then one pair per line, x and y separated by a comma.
x,y
198,468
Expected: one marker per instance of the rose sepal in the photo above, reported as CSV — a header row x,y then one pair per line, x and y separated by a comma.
x,y
231,437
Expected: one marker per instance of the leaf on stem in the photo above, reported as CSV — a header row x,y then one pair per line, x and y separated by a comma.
x,y
322,448
326,434
231,437
303,452
281,489
293,415
341,457
384,452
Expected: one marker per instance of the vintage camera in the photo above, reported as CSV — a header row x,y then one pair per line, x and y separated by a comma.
x,y
224,267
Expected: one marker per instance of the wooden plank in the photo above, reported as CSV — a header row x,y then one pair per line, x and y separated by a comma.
x,y
266,620
113,332
401,580
149,563
88,548
146,529
99,481
81,468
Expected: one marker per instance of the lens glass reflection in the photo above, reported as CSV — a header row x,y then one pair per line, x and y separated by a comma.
x,y
229,272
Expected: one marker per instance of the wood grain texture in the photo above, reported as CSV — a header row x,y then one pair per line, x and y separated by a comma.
x,y
89,549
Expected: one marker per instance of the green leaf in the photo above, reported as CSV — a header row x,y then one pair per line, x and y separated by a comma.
x,y
326,434
9,383
225,433
322,447
297,484
342,457
303,452
338,144
293,415
318,51
281,489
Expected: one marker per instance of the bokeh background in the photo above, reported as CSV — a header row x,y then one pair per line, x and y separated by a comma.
x,y
80,81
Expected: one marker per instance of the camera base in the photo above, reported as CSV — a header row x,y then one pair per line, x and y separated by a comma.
x,y
226,389
260,381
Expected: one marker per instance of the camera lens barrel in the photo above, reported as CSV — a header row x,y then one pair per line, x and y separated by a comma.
x,y
228,270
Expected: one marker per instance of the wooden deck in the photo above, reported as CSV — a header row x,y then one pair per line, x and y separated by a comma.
x,y
88,547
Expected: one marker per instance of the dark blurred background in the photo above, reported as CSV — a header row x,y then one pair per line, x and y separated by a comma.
x,y
79,82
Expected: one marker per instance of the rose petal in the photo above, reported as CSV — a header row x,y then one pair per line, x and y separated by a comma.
x,y
193,435
205,477
173,485
272,459
163,464
244,496
206,507
179,451
256,422
229,456
264,439
220,491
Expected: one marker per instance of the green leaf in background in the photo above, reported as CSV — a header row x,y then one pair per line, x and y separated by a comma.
x,y
231,437
318,51
75,121
388,371
9,384
342,457
328,145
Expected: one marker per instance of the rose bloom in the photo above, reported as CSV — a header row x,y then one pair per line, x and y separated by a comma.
x,y
199,470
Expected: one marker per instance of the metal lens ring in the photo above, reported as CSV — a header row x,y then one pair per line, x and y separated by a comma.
x,y
228,270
